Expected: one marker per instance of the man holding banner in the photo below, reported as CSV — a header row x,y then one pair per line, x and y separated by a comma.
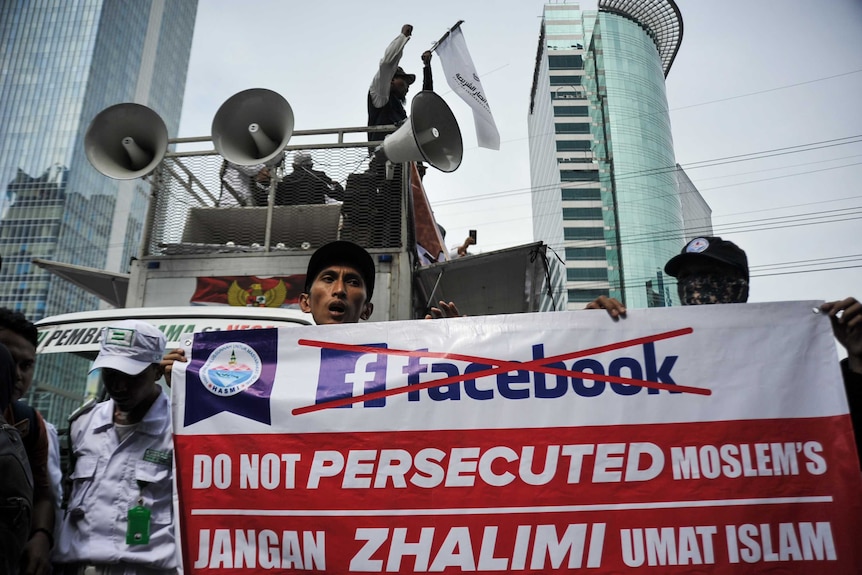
x,y
710,270
339,283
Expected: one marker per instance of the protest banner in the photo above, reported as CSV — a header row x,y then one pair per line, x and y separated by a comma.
x,y
709,439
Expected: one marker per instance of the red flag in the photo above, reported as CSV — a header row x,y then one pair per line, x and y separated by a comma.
x,y
429,241
249,291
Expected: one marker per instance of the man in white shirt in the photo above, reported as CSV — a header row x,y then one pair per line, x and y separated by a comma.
x,y
119,519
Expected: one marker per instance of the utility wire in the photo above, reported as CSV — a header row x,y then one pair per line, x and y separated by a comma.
x,y
659,171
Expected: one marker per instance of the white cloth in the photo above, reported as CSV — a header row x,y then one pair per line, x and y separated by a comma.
x,y
106,485
464,81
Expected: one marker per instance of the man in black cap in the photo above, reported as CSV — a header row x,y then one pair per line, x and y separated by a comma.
x,y
387,95
709,270
339,283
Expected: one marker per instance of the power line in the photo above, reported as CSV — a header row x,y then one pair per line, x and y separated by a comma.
x,y
641,115
662,170
766,91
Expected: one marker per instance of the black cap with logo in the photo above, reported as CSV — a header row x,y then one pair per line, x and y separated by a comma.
x,y
341,253
705,248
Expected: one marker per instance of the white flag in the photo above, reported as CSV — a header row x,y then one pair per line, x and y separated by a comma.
x,y
463,79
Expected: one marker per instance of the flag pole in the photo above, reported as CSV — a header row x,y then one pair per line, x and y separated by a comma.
x,y
446,35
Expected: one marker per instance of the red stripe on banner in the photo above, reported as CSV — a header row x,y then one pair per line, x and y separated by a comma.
x,y
714,497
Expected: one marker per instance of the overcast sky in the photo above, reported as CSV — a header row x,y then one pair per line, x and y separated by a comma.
x,y
753,77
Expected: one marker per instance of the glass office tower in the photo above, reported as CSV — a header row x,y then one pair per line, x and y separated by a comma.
x,y
63,62
604,177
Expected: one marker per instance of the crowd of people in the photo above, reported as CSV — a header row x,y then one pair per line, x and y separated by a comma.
x,y
118,516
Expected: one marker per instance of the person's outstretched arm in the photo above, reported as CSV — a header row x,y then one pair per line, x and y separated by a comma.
x,y
379,89
427,76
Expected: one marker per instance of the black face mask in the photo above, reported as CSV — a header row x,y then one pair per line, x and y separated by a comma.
x,y
712,288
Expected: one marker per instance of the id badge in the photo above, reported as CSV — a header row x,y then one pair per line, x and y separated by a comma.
x,y
138,531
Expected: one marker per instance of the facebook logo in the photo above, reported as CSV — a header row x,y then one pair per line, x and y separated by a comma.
x,y
351,374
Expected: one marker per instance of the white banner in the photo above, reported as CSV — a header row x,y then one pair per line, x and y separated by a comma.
x,y
463,79
713,439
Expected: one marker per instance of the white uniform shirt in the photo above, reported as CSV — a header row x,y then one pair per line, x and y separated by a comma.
x,y
105,486
240,178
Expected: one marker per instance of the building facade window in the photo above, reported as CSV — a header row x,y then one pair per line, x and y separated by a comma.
x,y
579,254
583,234
579,175
570,62
582,213
566,80
573,111
574,146
587,274
572,128
582,194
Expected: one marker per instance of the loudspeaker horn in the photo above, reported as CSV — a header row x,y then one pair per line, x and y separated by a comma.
x,y
431,134
253,127
126,141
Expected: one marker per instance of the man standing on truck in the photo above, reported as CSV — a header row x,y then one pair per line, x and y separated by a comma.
x,y
387,94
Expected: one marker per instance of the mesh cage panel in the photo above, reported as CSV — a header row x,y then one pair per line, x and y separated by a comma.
x,y
203,204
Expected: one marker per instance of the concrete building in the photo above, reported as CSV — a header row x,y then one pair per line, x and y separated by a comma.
x,y
605,185
63,62
696,213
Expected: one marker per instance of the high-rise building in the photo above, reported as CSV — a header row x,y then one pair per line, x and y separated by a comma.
x,y
696,213
62,63
605,188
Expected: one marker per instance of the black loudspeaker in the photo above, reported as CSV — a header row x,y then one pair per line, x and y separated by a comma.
x,y
126,141
253,127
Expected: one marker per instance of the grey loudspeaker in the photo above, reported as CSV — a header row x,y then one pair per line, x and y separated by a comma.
x,y
431,134
126,141
253,127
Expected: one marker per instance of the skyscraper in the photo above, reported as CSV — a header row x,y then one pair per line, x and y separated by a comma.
x,y
63,62
604,178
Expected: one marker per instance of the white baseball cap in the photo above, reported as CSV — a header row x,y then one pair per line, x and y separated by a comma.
x,y
130,346
302,158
